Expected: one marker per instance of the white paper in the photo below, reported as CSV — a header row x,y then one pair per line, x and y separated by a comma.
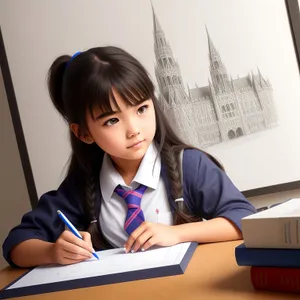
x,y
111,262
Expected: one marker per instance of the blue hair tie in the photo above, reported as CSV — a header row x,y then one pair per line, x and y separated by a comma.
x,y
74,55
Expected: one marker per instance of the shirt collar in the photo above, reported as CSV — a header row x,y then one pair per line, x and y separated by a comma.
x,y
148,173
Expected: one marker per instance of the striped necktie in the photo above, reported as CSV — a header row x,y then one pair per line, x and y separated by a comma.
x,y
135,216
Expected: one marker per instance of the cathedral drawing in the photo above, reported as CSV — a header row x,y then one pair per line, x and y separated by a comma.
x,y
223,110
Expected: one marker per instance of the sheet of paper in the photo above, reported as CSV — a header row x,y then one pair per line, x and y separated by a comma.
x,y
111,262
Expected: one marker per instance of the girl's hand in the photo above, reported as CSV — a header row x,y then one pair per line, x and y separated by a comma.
x,y
149,234
69,249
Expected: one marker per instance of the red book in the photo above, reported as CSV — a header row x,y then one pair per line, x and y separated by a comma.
x,y
276,279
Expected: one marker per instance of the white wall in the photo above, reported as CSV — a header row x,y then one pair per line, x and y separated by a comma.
x,y
14,201
35,32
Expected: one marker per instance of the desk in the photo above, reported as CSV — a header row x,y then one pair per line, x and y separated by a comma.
x,y
212,274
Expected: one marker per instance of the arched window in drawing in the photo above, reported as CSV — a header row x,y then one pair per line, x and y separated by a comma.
x,y
231,134
239,132
165,62
174,78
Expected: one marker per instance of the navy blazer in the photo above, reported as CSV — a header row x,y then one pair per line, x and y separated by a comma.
x,y
207,191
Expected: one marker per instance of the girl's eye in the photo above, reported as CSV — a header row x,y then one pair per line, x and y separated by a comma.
x,y
142,109
111,122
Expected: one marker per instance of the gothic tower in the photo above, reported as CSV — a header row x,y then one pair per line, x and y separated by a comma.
x,y
167,70
229,116
218,72
263,90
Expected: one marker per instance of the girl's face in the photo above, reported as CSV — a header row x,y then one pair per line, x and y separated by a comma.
x,y
124,134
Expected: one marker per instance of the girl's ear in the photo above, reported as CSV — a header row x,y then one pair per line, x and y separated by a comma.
x,y
84,138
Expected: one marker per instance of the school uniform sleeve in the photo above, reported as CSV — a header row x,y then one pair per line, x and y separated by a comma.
x,y
43,222
210,192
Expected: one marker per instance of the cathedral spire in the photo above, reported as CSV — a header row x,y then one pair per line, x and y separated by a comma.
x,y
213,53
218,72
263,82
167,69
156,25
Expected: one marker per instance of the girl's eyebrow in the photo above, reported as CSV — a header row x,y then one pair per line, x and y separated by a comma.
x,y
110,113
106,114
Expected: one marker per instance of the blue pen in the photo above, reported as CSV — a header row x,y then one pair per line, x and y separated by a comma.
x,y
72,228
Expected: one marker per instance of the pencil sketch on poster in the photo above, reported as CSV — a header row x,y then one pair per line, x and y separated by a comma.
x,y
225,109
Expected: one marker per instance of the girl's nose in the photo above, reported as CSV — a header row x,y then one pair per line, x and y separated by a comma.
x,y
132,129
131,134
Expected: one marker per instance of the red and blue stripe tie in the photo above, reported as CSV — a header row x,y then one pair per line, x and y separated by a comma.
x,y
135,216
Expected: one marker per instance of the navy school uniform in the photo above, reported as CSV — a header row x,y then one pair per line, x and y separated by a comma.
x,y
207,192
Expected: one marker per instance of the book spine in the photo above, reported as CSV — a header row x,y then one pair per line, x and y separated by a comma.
x,y
276,279
281,233
289,258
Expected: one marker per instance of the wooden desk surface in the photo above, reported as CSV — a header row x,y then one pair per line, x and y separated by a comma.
x,y
212,274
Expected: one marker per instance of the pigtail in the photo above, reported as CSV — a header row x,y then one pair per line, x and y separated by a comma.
x,y
171,157
98,240
55,83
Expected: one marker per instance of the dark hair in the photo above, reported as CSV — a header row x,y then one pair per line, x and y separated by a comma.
x,y
76,86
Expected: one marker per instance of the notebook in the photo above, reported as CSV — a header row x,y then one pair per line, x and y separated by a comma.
x,y
114,266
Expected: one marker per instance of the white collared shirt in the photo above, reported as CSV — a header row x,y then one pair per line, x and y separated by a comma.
x,y
155,204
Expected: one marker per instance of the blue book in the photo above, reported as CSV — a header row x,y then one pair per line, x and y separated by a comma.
x,y
267,257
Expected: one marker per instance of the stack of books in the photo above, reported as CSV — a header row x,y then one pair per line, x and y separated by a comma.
x,y
272,247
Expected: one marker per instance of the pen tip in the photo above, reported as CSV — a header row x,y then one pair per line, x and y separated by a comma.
x,y
58,211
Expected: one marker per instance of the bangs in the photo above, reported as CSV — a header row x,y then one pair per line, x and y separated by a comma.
x,y
132,87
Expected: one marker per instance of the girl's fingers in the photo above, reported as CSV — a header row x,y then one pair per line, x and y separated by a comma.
x,y
151,242
71,238
75,249
141,240
69,261
86,237
134,235
74,256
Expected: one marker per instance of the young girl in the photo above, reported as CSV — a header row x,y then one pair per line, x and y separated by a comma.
x,y
131,182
